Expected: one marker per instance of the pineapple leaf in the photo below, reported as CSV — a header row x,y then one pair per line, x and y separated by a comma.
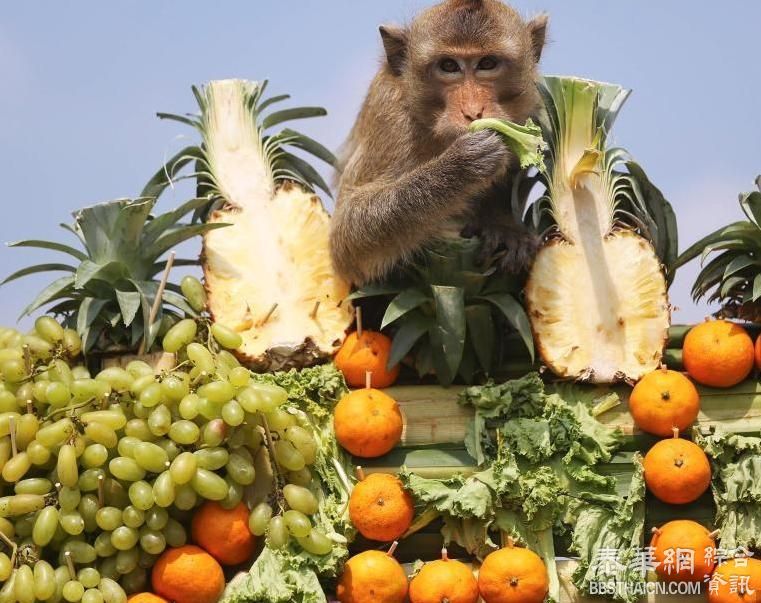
x,y
279,117
50,245
738,264
374,290
38,268
729,284
515,315
88,312
751,205
448,335
481,333
756,287
168,172
411,328
407,300
187,120
109,272
309,176
305,143
129,304
156,227
741,231
272,100
159,267
178,301
174,236
55,290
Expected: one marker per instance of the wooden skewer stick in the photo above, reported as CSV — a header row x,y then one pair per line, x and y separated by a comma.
x,y
101,491
360,473
157,302
392,548
444,554
70,565
359,322
12,427
270,313
714,534
313,314
368,379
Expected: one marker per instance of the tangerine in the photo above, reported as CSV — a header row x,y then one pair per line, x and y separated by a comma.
x,y
718,353
664,399
380,508
372,577
444,580
365,353
188,574
736,581
685,551
368,423
677,471
223,533
513,575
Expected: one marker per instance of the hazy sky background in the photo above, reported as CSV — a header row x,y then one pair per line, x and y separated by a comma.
x,y
82,81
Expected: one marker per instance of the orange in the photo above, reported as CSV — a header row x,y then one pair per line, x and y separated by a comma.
x,y
736,581
677,471
188,574
372,577
758,352
223,533
662,400
513,575
368,423
369,352
380,508
145,598
444,580
718,353
694,541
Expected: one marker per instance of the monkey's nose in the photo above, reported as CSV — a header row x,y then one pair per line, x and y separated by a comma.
x,y
472,114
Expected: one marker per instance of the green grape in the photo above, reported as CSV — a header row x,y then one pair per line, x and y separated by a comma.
x,y
250,400
233,414
81,390
240,467
5,567
297,523
156,518
44,580
72,522
20,504
39,348
68,498
280,420
16,467
217,391
13,371
185,498
135,581
72,342
103,546
8,401
151,395
38,454
68,472
174,533
302,477
170,447
150,457
124,538
101,434
211,458
5,450
140,411
160,420
200,357
108,518
62,576
55,433
45,526
111,591
81,552
125,468
138,428
301,499
226,337
126,446
179,335
73,591
183,468
209,485
316,543
119,379
234,494
194,292
114,419
132,517
24,584
259,519
173,388
163,491
92,595
140,383
141,495
207,409
5,422
189,407
80,372
49,329
152,541
39,392
213,433
6,527
287,456
89,479
270,396
26,429
94,456
89,577
24,527
277,533
139,368
79,444
239,376
59,370
226,359
24,392
303,441
88,507
8,590
184,432
126,560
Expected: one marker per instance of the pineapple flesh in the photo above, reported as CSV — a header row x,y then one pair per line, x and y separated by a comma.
x,y
268,275
596,294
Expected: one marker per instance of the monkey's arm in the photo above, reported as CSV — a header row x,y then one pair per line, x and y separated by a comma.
x,y
378,224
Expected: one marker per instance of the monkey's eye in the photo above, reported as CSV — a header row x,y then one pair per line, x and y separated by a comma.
x,y
449,66
487,64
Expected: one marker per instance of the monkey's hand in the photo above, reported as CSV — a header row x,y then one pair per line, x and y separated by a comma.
x,y
482,156
511,247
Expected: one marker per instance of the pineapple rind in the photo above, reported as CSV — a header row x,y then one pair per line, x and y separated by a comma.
x,y
599,309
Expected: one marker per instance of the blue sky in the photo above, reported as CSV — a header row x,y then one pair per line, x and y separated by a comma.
x,y
82,81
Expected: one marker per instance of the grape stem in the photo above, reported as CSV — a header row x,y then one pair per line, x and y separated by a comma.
x,y
12,545
276,469
69,408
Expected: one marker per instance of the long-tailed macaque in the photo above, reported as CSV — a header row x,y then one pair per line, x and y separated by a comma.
x,y
411,172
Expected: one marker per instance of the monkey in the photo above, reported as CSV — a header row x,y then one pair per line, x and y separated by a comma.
x,y
410,171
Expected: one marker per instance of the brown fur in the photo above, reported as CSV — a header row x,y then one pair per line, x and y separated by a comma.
x,y
411,172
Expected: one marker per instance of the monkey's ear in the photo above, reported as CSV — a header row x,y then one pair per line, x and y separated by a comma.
x,y
537,28
395,44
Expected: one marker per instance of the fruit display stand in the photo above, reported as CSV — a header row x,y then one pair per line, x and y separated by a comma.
x,y
432,445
